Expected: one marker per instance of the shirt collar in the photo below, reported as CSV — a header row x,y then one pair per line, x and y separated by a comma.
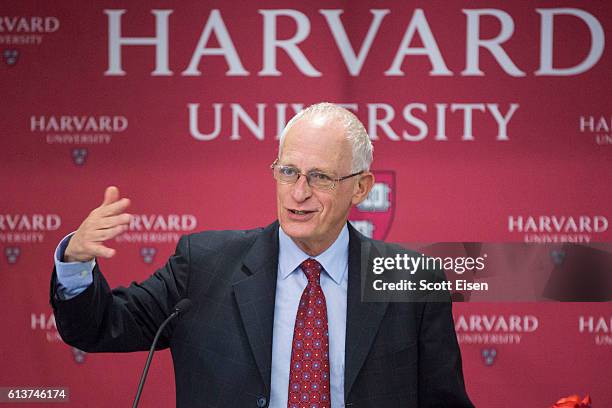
x,y
334,259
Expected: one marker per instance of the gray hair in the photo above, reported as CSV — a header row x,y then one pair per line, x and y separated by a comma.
x,y
356,134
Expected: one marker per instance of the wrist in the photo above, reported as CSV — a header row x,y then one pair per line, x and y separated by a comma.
x,y
68,258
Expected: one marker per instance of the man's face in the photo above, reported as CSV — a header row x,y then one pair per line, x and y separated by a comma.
x,y
317,144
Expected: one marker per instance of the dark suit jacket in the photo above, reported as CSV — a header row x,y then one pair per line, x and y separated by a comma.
x,y
397,354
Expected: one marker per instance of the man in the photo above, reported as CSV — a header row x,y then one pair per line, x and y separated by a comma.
x,y
277,318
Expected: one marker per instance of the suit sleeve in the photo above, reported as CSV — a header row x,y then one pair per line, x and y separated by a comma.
x,y
440,373
123,319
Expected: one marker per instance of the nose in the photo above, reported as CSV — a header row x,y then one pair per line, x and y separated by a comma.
x,y
301,190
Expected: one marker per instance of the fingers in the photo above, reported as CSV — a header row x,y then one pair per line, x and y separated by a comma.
x,y
93,245
115,208
79,250
102,251
114,220
111,194
109,233
103,223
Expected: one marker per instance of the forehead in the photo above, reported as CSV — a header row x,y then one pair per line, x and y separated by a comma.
x,y
317,143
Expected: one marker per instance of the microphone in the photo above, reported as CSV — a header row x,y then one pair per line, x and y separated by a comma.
x,y
181,307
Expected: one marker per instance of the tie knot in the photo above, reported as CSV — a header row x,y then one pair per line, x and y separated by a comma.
x,y
312,270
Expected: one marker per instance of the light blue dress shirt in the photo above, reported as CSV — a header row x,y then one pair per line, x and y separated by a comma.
x,y
74,277
290,284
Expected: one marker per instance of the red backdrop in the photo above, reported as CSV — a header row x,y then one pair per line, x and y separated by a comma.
x,y
483,114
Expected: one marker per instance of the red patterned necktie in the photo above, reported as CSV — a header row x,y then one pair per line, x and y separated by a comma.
x,y
309,373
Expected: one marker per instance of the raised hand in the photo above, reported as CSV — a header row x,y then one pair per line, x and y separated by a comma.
x,y
103,223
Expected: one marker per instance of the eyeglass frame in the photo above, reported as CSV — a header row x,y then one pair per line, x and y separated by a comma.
x,y
332,186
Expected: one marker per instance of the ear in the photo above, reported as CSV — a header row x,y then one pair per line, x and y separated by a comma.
x,y
362,187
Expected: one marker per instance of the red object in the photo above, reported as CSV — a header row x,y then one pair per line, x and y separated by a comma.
x,y
309,373
573,401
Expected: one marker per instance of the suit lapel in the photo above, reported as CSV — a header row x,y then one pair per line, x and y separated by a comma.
x,y
255,294
363,319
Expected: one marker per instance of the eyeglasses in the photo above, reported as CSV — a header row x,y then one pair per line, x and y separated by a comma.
x,y
316,179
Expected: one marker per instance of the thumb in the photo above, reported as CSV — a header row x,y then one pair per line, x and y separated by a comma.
x,y
110,195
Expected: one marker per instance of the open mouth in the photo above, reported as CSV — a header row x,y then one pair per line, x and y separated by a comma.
x,y
300,212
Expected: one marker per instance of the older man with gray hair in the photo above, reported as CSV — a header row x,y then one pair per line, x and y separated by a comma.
x,y
277,318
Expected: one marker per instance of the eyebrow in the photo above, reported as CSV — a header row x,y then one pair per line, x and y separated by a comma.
x,y
309,170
